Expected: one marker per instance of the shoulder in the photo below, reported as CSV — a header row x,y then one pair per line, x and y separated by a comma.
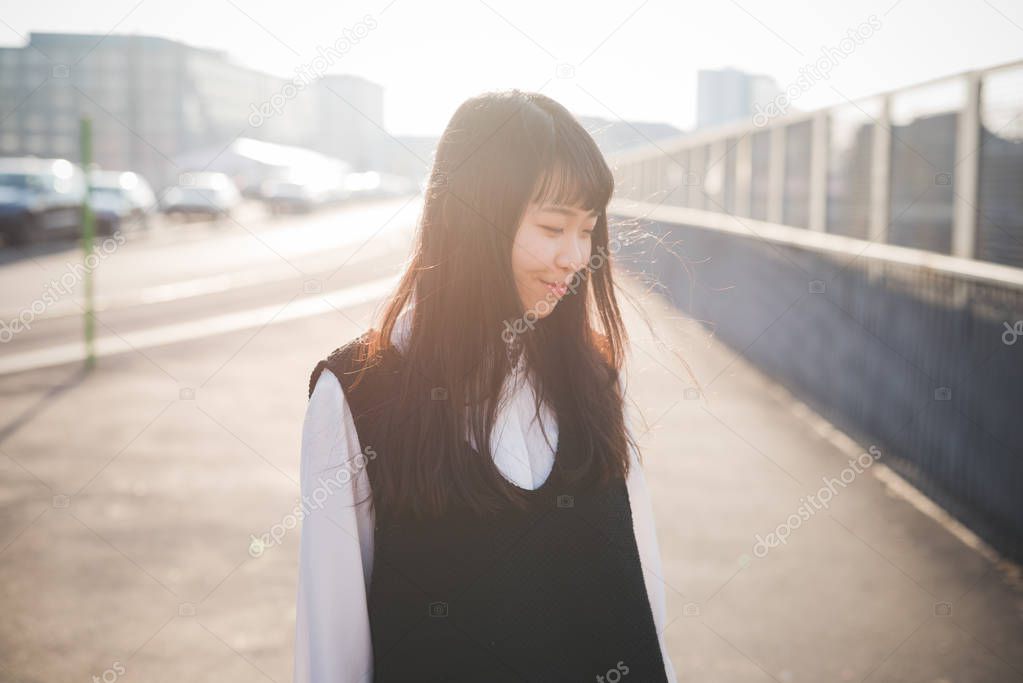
x,y
330,438
325,388
327,403
342,361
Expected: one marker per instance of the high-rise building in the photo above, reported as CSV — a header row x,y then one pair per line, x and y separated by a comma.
x,y
152,100
726,95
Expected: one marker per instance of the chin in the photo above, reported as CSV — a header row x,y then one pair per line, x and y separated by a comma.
x,y
538,310
544,308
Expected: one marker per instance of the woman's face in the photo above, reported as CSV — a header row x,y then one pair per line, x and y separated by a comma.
x,y
551,245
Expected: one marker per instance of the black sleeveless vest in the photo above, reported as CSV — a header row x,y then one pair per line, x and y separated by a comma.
x,y
555,593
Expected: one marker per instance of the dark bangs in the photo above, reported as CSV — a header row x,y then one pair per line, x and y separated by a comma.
x,y
574,172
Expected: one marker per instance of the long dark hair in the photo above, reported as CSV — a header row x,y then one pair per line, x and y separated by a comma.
x,y
499,152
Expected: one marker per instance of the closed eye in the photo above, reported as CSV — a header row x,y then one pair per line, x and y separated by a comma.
x,y
558,231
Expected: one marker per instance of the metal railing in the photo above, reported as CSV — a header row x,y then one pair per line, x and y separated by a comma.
x,y
937,166
870,257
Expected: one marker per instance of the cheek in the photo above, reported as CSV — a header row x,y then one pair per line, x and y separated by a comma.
x,y
531,254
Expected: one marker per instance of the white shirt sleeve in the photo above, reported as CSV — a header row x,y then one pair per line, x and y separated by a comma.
x,y
649,551
332,634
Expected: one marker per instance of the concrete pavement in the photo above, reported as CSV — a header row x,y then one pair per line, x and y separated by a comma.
x,y
130,497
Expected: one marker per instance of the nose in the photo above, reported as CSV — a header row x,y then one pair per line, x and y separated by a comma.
x,y
571,258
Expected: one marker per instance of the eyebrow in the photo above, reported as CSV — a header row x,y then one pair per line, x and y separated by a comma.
x,y
565,211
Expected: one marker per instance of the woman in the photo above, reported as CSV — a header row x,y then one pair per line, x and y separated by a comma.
x,y
479,512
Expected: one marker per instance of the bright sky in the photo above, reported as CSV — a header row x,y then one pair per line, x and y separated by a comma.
x,y
636,60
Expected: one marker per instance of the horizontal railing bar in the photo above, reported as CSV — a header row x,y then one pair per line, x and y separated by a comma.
x,y
801,238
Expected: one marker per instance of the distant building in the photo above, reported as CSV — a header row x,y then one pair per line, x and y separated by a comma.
x,y
153,100
727,95
411,156
351,121
616,136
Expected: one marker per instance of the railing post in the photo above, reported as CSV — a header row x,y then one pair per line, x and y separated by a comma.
x,y
880,174
819,172
776,174
966,171
715,176
743,175
698,160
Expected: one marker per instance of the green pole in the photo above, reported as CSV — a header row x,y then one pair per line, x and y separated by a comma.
x,y
85,142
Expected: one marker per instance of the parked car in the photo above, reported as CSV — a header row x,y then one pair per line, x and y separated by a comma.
x,y
120,200
207,194
40,199
289,196
372,184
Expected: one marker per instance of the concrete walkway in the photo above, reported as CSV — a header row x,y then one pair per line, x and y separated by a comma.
x,y
865,586
130,497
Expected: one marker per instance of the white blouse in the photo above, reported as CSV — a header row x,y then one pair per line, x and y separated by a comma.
x,y
332,634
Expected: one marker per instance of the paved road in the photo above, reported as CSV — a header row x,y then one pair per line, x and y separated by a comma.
x,y
130,497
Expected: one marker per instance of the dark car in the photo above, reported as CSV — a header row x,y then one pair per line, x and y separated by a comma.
x,y
40,199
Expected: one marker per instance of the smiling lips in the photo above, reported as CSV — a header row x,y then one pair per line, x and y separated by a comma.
x,y
557,289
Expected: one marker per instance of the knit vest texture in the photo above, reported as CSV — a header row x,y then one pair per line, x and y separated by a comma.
x,y
550,594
